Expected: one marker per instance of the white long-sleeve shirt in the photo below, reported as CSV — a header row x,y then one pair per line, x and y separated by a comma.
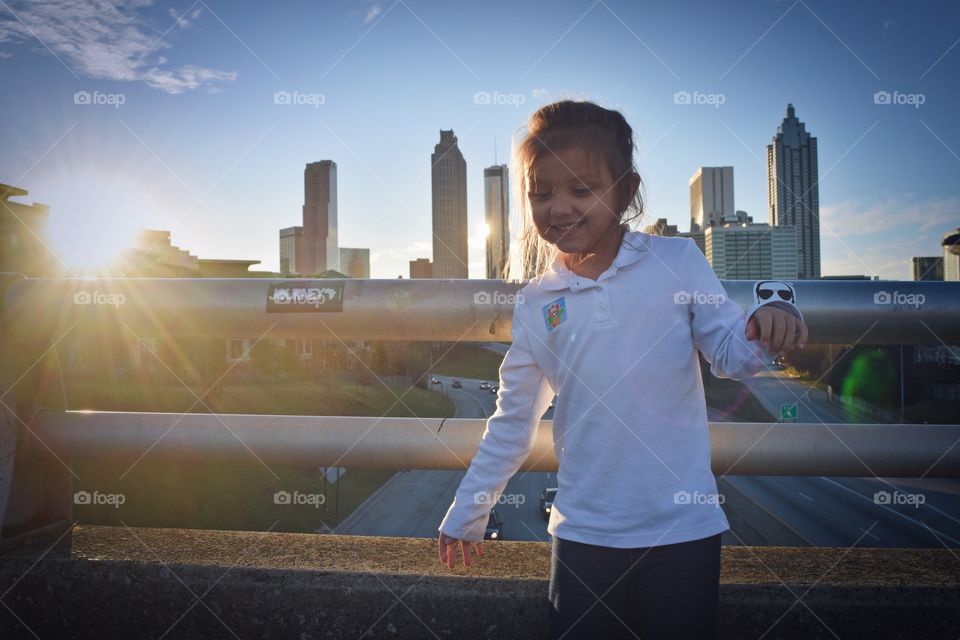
x,y
630,426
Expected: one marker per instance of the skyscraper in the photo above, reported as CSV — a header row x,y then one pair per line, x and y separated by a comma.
x,y
320,245
792,192
291,250
711,196
496,197
744,251
449,182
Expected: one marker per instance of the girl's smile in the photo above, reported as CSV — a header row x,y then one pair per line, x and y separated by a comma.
x,y
577,205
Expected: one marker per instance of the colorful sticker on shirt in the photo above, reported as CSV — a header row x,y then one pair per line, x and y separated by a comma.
x,y
554,313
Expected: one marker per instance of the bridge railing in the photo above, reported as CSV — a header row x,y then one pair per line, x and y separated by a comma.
x,y
36,441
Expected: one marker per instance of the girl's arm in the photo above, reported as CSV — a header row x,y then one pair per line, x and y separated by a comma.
x,y
508,439
730,339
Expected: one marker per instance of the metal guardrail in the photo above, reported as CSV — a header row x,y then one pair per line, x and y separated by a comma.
x,y
36,487
837,312
738,448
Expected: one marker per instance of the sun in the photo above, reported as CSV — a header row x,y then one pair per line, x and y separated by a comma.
x,y
94,220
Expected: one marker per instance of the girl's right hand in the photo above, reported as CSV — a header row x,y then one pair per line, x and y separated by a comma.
x,y
448,550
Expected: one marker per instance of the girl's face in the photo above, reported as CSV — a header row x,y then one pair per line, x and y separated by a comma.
x,y
574,202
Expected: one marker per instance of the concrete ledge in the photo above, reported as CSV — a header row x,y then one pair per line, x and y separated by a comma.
x,y
118,582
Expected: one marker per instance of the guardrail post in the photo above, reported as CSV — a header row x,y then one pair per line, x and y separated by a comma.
x,y
36,487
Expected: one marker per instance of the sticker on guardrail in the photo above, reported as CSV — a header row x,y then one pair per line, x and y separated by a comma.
x,y
304,297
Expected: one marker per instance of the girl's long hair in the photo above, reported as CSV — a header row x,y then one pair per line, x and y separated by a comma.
x,y
604,133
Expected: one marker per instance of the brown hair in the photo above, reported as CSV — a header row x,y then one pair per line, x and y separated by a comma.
x,y
557,126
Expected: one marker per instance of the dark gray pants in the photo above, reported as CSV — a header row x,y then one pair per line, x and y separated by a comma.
x,y
668,591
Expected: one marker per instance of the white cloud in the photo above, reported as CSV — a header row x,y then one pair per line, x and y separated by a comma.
x,y
859,217
372,14
880,238
106,39
181,19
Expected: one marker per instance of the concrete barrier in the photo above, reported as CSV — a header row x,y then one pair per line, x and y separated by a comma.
x,y
104,582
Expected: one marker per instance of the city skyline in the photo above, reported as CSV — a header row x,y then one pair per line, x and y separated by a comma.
x,y
201,123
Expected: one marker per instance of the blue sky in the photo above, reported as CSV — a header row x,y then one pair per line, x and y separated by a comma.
x,y
199,146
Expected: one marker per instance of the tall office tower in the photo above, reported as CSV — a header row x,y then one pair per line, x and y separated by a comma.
x,y
711,196
291,250
496,197
355,262
752,251
449,180
320,248
792,193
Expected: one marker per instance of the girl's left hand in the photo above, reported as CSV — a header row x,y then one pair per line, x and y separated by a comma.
x,y
778,329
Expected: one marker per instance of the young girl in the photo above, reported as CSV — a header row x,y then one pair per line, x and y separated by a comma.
x,y
611,320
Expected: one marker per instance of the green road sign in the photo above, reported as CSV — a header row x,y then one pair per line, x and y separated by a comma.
x,y
788,412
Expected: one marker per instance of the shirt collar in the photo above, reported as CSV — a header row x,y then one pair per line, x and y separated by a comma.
x,y
633,246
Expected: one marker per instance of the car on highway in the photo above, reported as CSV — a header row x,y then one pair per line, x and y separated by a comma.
x,y
484,385
434,381
494,390
494,526
546,501
456,384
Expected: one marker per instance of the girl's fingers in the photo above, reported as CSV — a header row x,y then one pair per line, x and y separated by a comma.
x,y
790,335
778,332
442,548
479,548
466,552
765,321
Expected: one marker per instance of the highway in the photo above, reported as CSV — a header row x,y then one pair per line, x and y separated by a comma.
x,y
762,510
